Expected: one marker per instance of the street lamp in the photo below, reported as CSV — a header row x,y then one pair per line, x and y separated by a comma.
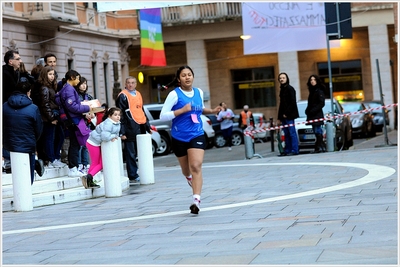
x,y
141,77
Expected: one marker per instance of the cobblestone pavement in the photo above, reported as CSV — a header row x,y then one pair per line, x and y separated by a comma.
x,y
337,208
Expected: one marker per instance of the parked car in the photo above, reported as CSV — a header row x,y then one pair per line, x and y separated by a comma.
x,y
153,111
208,130
343,134
362,122
378,116
219,140
155,139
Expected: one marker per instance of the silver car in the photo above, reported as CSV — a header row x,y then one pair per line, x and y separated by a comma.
x,y
343,134
155,139
153,111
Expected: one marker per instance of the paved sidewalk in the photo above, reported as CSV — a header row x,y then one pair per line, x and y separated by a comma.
x,y
338,208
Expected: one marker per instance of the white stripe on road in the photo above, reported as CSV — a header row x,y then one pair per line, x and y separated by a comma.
x,y
375,173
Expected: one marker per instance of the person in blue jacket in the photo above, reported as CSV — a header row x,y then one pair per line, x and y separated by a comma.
x,y
68,100
22,123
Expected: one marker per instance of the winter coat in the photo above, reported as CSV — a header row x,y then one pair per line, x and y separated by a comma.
x,y
48,106
22,124
67,98
288,103
129,127
10,80
316,101
104,132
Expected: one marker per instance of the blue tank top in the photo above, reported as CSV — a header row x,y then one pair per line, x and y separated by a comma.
x,y
183,127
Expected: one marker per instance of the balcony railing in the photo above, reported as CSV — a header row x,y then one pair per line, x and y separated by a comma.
x,y
57,12
200,13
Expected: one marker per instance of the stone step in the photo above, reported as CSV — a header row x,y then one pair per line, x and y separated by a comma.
x,y
49,173
55,187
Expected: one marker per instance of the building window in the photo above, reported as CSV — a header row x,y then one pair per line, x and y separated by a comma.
x,y
61,7
254,87
71,64
346,79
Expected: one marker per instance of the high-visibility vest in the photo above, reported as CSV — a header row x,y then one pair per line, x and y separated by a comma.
x,y
245,116
135,106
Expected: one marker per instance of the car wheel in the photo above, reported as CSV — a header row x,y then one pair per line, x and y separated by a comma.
x,y
372,130
347,142
165,146
219,140
209,142
153,147
340,140
237,139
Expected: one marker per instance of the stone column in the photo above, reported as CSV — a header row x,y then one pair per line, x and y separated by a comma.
x,y
288,62
197,60
379,49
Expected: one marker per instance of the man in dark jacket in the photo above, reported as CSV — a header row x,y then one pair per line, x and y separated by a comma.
x,y
133,122
287,113
22,123
11,76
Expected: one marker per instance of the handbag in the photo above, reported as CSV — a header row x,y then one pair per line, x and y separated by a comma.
x,y
82,132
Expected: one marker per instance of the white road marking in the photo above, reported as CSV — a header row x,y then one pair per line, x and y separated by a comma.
x,y
375,173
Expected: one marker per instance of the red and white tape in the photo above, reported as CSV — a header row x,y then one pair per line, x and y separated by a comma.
x,y
249,131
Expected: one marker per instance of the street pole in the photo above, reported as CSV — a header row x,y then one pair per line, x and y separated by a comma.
x,y
330,125
381,96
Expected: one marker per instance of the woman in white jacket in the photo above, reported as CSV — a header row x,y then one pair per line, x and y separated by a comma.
x,y
106,131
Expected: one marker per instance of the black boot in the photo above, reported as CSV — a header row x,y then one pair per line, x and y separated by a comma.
x,y
39,167
90,183
321,143
318,144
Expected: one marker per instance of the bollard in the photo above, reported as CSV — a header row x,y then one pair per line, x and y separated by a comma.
x,y
21,180
272,134
145,157
111,168
121,158
330,135
248,146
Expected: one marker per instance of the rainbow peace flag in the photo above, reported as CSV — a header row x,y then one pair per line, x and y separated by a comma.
x,y
152,46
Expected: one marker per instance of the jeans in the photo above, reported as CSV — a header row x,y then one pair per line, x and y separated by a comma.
x,y
7,160
73,151
130,158
83,157
59,138
32,165
227,133
49,130
291,141
317,129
